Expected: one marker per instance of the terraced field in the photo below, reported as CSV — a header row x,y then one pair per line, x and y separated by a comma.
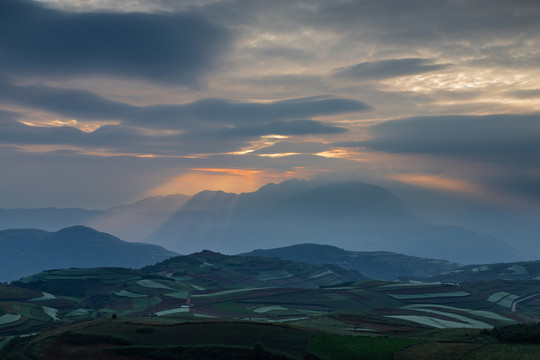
x,y
188,289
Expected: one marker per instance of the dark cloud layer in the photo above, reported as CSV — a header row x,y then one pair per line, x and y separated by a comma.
x,y
124,139
508,139
89,106
388,68
159,47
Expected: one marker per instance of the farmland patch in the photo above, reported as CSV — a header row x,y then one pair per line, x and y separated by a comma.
x,y
474,323
266,309
431,321
429,295
481,313
51,312
9,318
153,284
45,296
224,292
173,311
267,275
182,294
129,294
319,275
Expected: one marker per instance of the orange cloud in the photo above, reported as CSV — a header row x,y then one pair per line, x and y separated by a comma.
x,y
437,182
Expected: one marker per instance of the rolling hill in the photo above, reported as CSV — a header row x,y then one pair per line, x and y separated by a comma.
x,y
524,270
374,264
28,251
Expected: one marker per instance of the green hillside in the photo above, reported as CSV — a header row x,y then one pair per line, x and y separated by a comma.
x,y
334,311
212,270
382,265
524,270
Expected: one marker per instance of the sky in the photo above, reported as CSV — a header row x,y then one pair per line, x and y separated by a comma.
x,y
105,102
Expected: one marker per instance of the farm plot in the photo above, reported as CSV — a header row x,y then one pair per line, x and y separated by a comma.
x,y
153,284
266,309
480,313
466,321
44,297
451,294
431,321
173,311
224,292
267,275
503,298
129,294
9,318
51,312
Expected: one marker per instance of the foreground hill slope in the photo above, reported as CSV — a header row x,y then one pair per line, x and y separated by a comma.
x,y
374,264
28,251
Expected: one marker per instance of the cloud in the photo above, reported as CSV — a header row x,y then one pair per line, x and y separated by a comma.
x,y
128,140
388,69
157,47
290,147
86,105
293,127
508,139
524,94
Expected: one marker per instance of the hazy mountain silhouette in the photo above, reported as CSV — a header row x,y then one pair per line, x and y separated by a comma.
x,y
28,251
352,215
131,222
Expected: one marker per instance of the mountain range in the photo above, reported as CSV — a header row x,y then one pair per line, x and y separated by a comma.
x,y
351,215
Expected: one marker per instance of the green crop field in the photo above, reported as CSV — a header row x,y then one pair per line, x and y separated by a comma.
x,y
339,347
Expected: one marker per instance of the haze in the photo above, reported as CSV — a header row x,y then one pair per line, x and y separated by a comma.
x,y
108,102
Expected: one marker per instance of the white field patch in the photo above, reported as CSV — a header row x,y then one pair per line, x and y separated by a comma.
x,y
274,275
508,301
287,320
173,311
410,284
503,298
153,284
9,318
182,294
196,287
468,321
481,268
429,295
79,312
205,316
51,312
225,292
129,294
430,321
45,296
324,273
481,313
266,309
497,296
518,270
